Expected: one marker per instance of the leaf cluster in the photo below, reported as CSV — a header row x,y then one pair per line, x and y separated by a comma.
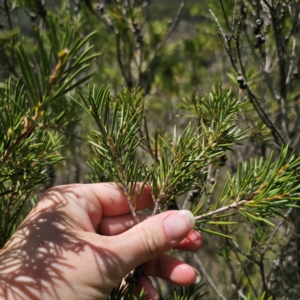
x,y
260,190
26,150
35,113
191,292
178,163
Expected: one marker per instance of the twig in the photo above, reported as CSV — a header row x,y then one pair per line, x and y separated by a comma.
x,y
7,13
252,97
224,14
129,201
163,194
162,43
208,278
245,270
240,250
210,184
221,209
275,231
238,48
280,48
224,40
292,62
265,118
234,17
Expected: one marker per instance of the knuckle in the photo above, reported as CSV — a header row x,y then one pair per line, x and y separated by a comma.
x,y
149,242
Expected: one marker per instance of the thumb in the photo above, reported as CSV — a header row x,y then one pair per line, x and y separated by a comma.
x,y
153,236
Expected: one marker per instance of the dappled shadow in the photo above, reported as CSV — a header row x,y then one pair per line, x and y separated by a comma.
x,y
37,262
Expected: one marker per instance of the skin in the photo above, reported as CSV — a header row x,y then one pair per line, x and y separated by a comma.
x,y
80,240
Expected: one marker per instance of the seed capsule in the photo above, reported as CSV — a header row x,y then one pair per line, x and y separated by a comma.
x,y
256,30
212,180
172,205
223,160
240,79
193,194
259,22
132,278
138,272
243,85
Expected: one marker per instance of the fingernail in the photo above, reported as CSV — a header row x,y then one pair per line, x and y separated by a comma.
x,y
198,276
179,224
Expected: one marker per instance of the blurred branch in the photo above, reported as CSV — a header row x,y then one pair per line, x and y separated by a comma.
x,y
208,278
279,139
162,43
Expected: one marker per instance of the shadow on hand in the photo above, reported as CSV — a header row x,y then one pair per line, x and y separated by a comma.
x,y
34,260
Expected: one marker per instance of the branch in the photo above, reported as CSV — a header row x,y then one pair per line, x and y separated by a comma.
x,y
208,278
118,46
245,269
162,43
280,48
252,97
224,14
235,205
275,231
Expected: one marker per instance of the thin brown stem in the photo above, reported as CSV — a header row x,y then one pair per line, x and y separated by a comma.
x,y
208,278
162,43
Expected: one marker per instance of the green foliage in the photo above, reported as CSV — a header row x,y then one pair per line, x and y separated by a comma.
x,y
263,296
125,292
178,163
144,133
26,149
258,191
35,114
188,293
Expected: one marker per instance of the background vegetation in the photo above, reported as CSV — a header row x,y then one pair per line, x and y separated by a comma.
x,y
196,99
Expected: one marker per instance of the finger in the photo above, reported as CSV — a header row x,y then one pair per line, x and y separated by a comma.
x,y
192,242
117,225
86,203
151,237
146,284
171,269
113,199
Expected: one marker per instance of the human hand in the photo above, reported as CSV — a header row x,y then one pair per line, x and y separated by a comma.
x,y
80,240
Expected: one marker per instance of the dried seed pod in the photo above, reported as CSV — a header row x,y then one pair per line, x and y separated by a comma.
x,y
256,30
259,22
41,11
240,79
242,82
132,278
172,205
243,85
32,16
193,194
100,8
137,30
76,8
295,73
260,39
138,272
223,160
243,10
